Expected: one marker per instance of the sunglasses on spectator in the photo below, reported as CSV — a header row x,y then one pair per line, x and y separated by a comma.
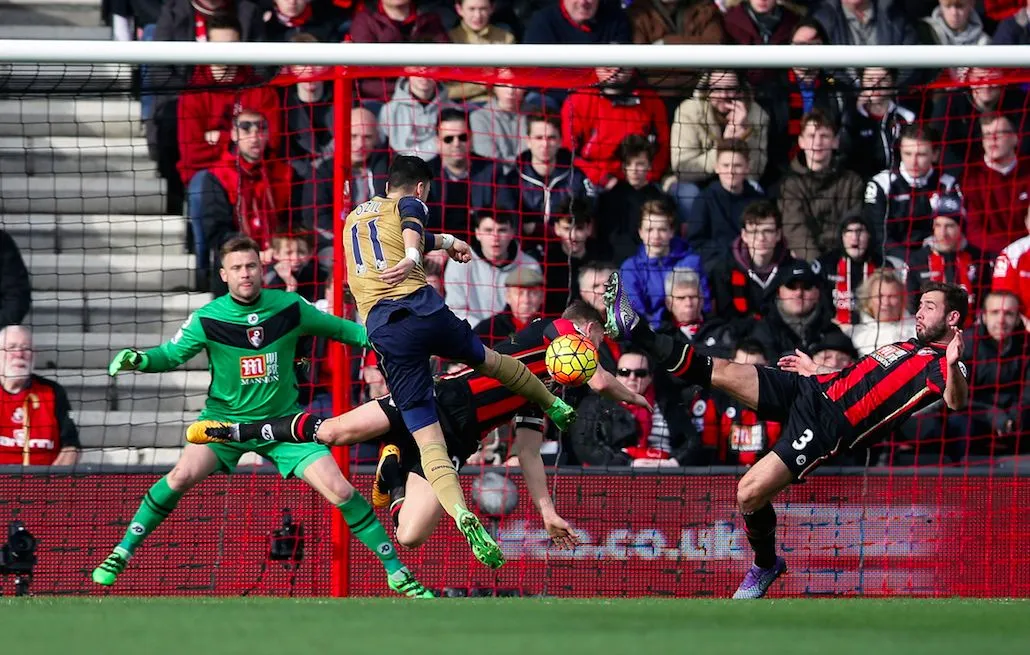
x,y
247,126
449,139
633,372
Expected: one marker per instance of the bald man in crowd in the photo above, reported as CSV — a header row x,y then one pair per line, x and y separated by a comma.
x,y
35,423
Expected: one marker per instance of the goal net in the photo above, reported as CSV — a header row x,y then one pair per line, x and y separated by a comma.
x,y
752,210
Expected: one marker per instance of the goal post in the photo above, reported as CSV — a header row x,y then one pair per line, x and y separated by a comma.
x,y
83,202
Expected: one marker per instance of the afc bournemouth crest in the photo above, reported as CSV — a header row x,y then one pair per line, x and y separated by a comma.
x,y
256,336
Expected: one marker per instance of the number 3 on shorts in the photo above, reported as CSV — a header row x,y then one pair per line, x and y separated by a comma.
x,y
802,441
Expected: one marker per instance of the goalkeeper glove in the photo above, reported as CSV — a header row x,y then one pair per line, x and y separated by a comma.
x,y
128,360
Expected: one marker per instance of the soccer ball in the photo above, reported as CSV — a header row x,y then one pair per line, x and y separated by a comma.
x,y
495,494
571,360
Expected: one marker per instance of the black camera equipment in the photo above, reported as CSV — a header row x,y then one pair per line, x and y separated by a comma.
x,y
287,543
18,556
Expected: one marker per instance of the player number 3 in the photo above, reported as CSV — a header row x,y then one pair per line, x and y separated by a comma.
x,y
802,441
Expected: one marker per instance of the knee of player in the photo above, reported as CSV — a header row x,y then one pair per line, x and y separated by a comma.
x,y
410,539
749,494
181,478
338,490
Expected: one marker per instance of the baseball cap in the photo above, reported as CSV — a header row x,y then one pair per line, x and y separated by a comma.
x,y
523,276
801,271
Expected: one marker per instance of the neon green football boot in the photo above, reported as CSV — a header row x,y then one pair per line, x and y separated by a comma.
x,y
110,568
404,583
483,545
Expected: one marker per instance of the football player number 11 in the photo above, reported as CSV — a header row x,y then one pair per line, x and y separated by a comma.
x,y
372,237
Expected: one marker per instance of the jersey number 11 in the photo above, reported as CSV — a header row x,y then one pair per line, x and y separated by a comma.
x,y
377,247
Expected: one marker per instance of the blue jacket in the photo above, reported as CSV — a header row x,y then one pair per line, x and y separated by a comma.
x,y
644,279
540,198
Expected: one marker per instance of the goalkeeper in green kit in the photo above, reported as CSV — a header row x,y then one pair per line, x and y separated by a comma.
x,y
250,336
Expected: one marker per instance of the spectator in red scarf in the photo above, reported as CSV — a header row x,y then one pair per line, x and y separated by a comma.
x,y
997,188
185,20
744,281
244,193
789,95
392,21
684,301
319,18
946,256
205,115
845,268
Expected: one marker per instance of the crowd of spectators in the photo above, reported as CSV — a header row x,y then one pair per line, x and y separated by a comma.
x,y
755,211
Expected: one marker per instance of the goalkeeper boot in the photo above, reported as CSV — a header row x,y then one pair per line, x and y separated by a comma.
x,y
386,474
620,317
404,583
110,568
758,580
209,432
562,414
483,545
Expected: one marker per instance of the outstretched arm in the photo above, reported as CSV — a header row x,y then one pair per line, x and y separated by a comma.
x,y
527,449
316,322
802,364
605,384
182,347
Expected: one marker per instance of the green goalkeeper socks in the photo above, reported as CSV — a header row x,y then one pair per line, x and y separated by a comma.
x,y
155,508
364,525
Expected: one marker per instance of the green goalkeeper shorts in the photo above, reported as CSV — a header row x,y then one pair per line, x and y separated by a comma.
x,y
290,458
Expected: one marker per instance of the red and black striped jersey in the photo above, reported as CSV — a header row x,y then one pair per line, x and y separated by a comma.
x,y
495,404
888,385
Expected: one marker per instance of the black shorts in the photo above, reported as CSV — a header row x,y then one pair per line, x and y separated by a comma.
x,y
457,412
814,429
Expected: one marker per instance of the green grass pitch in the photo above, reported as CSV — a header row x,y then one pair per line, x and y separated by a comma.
x,y
254,626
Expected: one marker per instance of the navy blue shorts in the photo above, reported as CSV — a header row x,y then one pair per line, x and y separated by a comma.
x,y
404,345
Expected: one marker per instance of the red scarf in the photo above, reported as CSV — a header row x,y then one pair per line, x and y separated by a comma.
x,y
845,288
689,329
956,273
796,110
739,292
296,21
199,26
643,417
256,201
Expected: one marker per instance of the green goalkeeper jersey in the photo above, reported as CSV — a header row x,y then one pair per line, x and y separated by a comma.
x,y
250,351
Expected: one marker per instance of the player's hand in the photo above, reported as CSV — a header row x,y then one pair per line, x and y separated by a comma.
x,y
640,401
126,360
398,272
799,363
562,535
955,348
460,251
